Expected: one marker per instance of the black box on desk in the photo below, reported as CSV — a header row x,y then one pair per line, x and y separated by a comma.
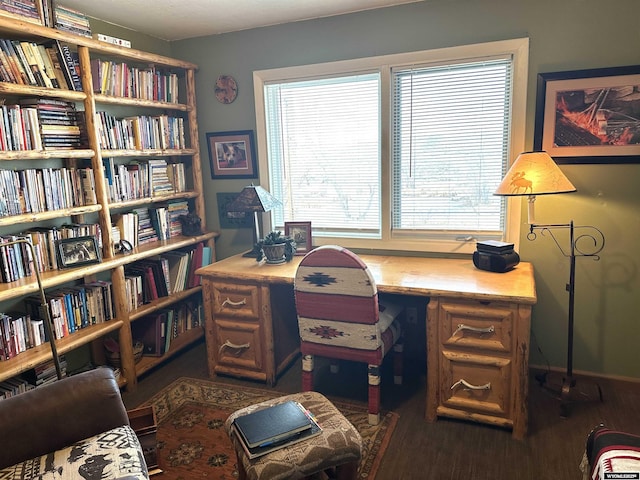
x,y
495,256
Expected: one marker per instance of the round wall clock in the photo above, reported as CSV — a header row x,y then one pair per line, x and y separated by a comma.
x,y
226,89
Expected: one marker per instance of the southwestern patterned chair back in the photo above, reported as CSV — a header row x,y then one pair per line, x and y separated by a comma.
x,y
340,316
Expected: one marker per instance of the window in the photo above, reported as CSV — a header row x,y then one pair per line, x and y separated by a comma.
x,y
401,152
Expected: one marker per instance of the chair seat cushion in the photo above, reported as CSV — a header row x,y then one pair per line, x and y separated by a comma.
x,y
389,311
115,454
610,451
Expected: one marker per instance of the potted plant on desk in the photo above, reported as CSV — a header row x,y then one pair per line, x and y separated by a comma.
x,y
276,248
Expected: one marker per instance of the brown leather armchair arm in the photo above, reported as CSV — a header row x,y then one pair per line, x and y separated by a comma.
x,y
56,415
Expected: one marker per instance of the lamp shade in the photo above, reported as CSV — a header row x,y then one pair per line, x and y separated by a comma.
x,y
534,173
253,198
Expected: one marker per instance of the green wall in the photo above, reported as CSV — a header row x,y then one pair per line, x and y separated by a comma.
x,y
564,35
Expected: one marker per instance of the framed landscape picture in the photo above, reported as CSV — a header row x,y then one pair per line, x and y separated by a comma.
x,y
589,116
232,154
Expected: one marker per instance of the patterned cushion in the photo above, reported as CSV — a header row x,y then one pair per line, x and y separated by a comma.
x,y
115,454
610,451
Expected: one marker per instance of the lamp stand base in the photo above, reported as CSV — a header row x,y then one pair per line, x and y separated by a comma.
x,y
566,389
250,253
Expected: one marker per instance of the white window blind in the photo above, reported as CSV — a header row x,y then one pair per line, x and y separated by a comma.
x,y
323,144
450,146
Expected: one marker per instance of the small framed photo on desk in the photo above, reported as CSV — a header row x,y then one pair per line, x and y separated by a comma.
x,y
301,234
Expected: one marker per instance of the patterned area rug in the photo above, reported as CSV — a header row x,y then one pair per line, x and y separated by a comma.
x,y
192,442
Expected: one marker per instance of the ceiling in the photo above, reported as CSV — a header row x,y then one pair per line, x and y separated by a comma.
x,y
180,19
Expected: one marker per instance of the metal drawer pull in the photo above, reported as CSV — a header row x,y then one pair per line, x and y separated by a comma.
x,y
462,326
231,303
228,344
468,386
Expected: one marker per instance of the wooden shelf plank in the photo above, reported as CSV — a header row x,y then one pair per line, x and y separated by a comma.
x,y
162,303
139,102
45,154
48,215
147,153
42,353
35,91
26,286
149,201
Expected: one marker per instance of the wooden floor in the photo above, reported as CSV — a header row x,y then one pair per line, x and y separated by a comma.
x,y
449,449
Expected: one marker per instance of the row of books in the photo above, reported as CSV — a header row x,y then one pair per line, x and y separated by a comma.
x,y
145,225
40,190
74,308
162,132
16,261
157,330
143,178
40,124
122,80
48,13
50,64
40,375
164,275
18,333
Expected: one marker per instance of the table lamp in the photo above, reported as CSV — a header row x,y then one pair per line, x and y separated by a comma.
x,y
532,174
254,198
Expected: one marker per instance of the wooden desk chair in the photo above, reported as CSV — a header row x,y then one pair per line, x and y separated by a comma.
x,y
341,317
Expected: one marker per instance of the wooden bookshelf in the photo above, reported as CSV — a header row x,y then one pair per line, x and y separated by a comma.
x,y
112,262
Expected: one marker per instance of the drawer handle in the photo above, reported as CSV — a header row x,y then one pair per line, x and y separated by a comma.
x,y
462,326
235,346
231,303
468,386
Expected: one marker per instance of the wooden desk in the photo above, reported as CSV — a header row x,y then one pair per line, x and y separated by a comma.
x,y
477,328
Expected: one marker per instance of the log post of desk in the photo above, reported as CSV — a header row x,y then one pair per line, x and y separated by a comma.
x,y
478,327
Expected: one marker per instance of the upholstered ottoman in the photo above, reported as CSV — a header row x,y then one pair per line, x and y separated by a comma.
x,y
338,447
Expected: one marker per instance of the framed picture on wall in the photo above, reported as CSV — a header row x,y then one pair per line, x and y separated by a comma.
x,y
232,154
589,116
301,234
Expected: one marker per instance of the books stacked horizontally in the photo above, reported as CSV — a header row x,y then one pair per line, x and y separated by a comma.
x,y
71,20
21,9
59,125
275,427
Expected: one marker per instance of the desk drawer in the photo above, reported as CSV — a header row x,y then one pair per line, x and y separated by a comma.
x,y
476,383
239,345
477,325
237,301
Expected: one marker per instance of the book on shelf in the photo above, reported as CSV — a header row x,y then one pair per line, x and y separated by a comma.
x,y
271,428
178,265
27,10
71,65
71,20
150,330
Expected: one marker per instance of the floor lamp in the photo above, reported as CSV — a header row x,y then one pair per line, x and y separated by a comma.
x,y
44,306
535,173
254,198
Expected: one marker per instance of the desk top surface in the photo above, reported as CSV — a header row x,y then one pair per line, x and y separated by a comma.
x,y
400,275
